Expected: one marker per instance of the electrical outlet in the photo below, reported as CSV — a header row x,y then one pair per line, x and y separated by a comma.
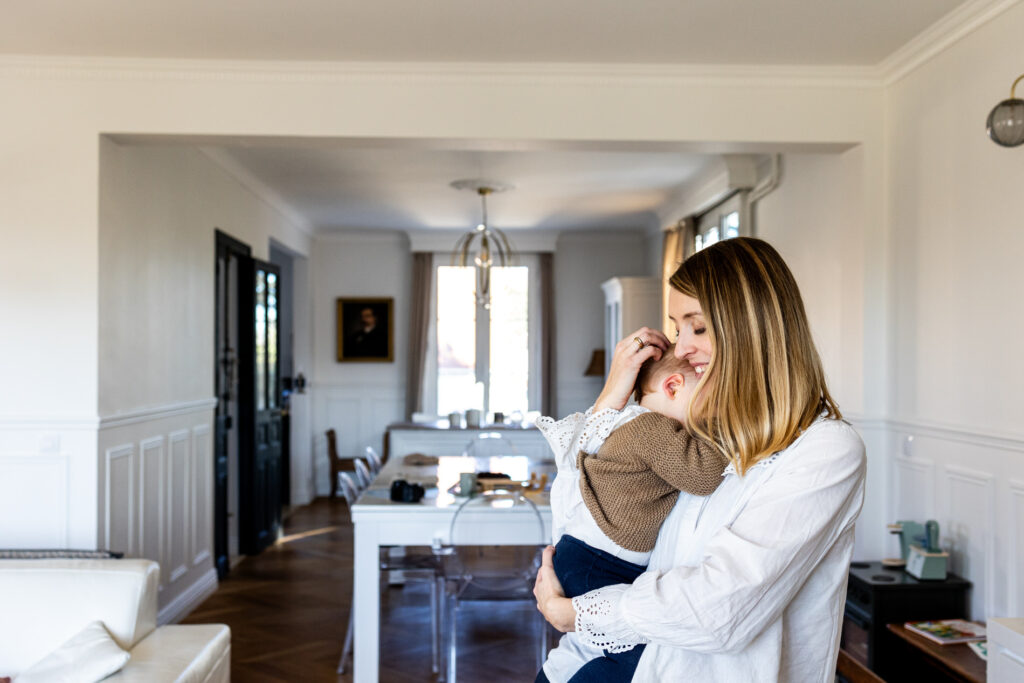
x,y
908,447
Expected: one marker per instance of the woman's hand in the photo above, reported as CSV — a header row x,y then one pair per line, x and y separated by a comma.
x,y
551,600
626,362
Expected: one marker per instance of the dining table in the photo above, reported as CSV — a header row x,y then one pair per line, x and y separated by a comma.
x,y
380,523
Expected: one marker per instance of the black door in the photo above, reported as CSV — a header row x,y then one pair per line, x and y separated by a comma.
x,y
227,382
260,429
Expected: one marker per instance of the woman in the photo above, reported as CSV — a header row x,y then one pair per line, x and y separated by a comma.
x,y
747,584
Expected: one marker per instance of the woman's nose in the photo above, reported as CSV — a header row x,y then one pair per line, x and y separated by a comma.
x,y
682,349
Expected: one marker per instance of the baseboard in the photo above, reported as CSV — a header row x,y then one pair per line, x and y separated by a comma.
x,y
193,596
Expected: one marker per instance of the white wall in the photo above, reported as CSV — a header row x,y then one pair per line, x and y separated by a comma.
x,y
958,371
816,219
56,111
159,207
357,400
583,260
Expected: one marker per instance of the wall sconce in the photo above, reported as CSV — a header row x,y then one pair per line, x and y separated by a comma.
x,y
1006,121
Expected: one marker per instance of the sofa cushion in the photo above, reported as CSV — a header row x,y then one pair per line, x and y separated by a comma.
x,y
45,602
88,656
193,653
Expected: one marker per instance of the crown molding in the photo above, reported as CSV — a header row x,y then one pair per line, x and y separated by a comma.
x,y
946,31
230,165
955,25
353,236
522,73
443,241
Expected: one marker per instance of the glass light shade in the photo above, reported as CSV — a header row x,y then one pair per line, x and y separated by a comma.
x,y
1005,123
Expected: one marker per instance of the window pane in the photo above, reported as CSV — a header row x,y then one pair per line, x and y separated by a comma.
x,y
456,338
711,236
272,339
261,340
732,225
510,360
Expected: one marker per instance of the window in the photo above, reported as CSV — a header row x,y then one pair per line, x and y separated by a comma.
x,y
483,356
720,222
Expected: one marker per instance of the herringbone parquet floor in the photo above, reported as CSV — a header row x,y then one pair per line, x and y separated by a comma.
x,y
288,610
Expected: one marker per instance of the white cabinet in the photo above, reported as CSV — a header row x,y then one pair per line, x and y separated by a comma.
x,y
1005,650
629,303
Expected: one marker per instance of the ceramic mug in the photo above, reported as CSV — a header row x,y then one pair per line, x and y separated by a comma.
x,y
473,418
467,483
455,420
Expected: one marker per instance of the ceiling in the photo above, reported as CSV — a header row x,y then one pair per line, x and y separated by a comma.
x,y
396,185
793,32
403,185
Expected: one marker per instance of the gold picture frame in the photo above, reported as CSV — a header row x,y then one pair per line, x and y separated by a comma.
x,y
365,329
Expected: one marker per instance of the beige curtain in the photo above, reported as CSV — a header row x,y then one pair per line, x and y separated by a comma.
x,y
419,324
677,245
548,384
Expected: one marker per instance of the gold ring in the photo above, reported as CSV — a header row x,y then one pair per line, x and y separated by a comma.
x,y
640,343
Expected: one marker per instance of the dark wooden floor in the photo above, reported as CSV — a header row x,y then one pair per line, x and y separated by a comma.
x,y
288,610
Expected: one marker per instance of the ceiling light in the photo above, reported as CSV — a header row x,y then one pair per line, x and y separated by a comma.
x,y
487,245
1006,121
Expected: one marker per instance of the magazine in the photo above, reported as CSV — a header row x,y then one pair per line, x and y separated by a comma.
x,y
948,631
980,649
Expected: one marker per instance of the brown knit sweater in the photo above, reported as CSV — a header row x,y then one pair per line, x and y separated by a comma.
x,y
633,482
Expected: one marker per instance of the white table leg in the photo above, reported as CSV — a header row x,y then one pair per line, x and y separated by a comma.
x,y
366,568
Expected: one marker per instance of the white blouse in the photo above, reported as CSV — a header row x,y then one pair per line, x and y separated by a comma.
x,y
747,584
569,513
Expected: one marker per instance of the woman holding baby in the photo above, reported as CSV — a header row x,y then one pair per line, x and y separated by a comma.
x,y
747,583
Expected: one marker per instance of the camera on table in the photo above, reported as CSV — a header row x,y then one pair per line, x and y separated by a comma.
x,y
404,492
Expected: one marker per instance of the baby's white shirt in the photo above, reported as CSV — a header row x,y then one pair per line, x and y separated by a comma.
x,y
567,437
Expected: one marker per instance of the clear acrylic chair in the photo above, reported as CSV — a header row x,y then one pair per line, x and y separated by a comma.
x,y
477,572
362,472
374,460
490,444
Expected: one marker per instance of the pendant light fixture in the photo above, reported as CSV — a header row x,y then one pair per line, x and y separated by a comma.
x,y
485,246
1005,123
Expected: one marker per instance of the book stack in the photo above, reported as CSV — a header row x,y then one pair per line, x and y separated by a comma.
x,y
948,631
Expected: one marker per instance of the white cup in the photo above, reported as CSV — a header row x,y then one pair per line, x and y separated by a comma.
x,y
473,418
455,420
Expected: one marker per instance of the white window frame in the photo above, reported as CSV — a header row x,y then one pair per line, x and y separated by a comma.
x,y
715,217
532,262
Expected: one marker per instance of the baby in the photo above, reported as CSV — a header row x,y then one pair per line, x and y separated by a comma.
x,y
607,508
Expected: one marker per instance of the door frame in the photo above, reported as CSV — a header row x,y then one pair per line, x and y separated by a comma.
x,y
225,246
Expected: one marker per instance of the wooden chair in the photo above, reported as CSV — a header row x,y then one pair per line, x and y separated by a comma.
x,y
362,472
332,454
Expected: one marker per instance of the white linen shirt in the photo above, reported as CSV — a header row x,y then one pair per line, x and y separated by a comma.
x,y
746,584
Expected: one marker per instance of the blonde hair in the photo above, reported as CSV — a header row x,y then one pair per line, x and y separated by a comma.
x,y
764,384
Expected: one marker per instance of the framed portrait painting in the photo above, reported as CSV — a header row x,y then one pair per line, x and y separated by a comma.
x,y
365,330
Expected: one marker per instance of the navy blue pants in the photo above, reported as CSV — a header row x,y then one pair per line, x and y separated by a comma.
x,y
581,569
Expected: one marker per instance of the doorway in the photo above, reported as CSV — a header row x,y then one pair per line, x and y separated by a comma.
x,y
249,426
227,383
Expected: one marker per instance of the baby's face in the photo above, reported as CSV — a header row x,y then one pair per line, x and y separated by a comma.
x,y
672,393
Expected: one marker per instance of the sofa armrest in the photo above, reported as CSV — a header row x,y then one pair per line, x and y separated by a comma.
x,y
193,653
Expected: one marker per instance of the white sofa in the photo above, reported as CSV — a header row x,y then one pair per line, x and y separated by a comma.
x,y
43,603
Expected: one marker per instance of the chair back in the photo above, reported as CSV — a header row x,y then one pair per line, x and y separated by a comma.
x,y
490,444
374,460
497,571
349,490
332,445
363,472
